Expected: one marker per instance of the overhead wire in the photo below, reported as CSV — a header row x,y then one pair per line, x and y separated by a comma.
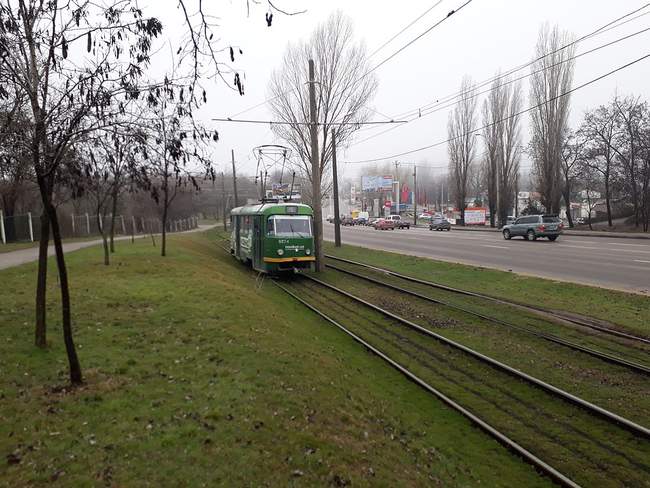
x,y
521,112
473,93
404,28
600,30
374,68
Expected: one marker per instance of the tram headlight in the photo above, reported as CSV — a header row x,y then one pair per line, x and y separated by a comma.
x,y
307,252
280,252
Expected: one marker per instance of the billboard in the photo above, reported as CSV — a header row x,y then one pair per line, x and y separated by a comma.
x,y
377,183
475,216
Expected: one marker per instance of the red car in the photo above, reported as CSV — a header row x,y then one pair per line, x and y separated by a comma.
x,y
384,224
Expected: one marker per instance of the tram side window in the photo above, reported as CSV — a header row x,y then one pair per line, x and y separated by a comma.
x,y
270,227
245,225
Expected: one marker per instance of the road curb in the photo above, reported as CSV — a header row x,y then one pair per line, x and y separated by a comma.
x,y
581,233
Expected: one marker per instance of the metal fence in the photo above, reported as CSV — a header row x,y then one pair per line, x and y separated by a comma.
x,y
27,227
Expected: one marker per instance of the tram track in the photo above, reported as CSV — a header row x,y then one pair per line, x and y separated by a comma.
x,y
559,317
611,358
428,357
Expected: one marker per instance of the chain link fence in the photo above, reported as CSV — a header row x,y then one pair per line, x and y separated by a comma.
x,y
27,227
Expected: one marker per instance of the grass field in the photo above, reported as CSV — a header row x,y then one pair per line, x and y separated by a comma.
x,y
199,375
629,311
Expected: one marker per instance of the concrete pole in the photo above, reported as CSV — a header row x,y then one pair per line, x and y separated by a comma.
x,y
397,195
415,196
87,223
31,227
123,226
315,172
73,229
132,228
2,228
335,189
234,177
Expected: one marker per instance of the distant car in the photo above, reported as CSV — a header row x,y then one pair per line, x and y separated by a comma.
x,y
580,220
425,216
399,223
439,223
530,227
384,224
330,219
347,221
510,219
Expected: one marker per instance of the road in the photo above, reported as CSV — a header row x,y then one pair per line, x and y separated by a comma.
x,y
622,264
16,258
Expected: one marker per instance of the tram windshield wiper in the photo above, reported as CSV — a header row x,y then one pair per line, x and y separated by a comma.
x,y
293,231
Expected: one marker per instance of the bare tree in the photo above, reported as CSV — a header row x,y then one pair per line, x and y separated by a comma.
x,y
462,141
552,75
69,93
572,155
343,91
503,145
632,118
599,131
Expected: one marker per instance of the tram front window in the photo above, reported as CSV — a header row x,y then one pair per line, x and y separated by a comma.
x,y
289,226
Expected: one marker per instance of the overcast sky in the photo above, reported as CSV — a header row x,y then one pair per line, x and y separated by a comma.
x,y
482,38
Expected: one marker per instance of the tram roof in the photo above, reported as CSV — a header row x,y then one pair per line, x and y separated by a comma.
x,y
273,209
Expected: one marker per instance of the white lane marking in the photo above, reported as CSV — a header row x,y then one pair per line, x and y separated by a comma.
x,y
495,247
641,261
624,244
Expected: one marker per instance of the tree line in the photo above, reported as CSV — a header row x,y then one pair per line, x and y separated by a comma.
x,y
607,153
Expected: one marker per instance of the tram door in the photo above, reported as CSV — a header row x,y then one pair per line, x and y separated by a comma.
x,y
258,243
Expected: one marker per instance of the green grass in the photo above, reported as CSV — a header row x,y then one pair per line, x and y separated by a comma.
x,y
196,376
627,310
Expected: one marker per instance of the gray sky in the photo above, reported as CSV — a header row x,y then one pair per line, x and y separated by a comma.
x,y
482,38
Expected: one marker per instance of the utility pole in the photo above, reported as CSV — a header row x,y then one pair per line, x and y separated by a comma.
x,y
415,196
335,189
223,200
315,172
234,178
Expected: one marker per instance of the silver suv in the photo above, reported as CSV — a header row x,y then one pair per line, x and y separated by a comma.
x,y
530,227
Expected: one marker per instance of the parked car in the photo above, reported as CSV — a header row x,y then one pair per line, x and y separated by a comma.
x,y
530,227
384,224
399,223
347,221
439,223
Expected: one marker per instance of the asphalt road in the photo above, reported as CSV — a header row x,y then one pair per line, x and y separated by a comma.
x,y
606,262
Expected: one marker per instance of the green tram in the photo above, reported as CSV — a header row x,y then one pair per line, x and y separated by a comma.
x,y
273,237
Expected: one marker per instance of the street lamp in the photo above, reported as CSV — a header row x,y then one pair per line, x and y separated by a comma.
x,y
478,134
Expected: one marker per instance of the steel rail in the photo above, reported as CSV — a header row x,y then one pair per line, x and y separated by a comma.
x,y
495,299
639,368
595,409
483,425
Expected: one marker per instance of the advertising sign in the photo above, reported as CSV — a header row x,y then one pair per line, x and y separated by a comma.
x,y
388,203
475,216
377,183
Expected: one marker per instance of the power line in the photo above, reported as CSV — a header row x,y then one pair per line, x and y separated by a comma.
x,y
272,122
475,94
409,25
478,129
371,70
451,12
490,80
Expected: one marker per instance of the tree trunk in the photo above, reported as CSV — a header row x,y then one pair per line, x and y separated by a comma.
x,y
100,227
40,333
115,196
608,202
163,246
567,202
73,361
